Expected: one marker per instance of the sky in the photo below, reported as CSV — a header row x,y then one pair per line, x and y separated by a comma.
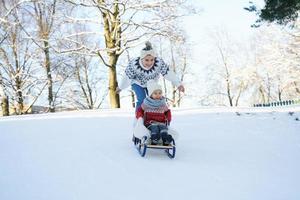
x,y
229,15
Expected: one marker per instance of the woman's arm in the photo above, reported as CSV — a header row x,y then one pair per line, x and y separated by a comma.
x,y
125,82
127,77
170,75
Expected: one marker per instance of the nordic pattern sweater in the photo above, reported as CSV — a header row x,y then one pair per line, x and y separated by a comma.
x,y
138,74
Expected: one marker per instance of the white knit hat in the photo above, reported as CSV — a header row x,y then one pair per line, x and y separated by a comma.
x,y
148,50
152,86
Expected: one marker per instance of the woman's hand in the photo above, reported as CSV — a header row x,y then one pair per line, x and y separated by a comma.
x,y
181,88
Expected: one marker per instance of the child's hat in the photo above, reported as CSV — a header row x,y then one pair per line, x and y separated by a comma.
x,y
152,86
148,50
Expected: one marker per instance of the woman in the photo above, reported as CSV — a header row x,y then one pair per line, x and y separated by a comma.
x,y
144,68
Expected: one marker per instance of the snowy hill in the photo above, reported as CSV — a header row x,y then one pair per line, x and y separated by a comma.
x,y
241,154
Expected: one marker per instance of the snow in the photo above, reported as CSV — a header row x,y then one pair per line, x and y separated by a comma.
x,y
222,153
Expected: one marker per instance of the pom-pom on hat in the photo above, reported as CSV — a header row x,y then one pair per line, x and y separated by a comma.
x,y
147,51
153,86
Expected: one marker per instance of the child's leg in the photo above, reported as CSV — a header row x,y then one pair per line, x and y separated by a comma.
x,y
155,135
140,94
166,138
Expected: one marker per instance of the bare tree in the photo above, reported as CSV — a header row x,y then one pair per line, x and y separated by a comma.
x,y
176,53
4,98
44,12
86,79
228,74
123,28
10,59
17,55
277,71
82,70
3,35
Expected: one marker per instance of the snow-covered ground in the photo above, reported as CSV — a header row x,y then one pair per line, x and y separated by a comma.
x,y
240,154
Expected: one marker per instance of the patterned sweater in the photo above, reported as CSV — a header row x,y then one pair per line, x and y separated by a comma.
x,y
138,74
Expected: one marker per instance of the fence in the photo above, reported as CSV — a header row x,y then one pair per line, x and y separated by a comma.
x,y
278,103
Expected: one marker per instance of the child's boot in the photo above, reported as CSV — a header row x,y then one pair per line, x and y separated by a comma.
x,y
155,138
167,139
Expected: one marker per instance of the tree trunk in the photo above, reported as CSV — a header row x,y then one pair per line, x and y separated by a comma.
x,y
227,78
262,94
179,100
77,72
5,106
19,95
174,96
174,69
241,88
49,76
17,78
268,86
112,34
296,87
181,79
44,14
113,95
89,89
229,92
4,99
279,95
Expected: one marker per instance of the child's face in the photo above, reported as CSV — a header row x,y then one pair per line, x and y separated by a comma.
x,y
157,94
148,61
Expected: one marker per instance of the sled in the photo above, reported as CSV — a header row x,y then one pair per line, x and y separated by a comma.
x,y
143,144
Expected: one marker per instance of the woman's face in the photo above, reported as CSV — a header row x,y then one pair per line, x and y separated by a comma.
x,y
148,61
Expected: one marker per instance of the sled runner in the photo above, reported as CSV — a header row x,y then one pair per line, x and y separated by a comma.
x,y
143,144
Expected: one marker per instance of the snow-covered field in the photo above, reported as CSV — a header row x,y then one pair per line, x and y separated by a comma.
x,y
241,154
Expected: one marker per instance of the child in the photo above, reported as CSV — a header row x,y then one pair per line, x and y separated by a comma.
x,y
156,114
